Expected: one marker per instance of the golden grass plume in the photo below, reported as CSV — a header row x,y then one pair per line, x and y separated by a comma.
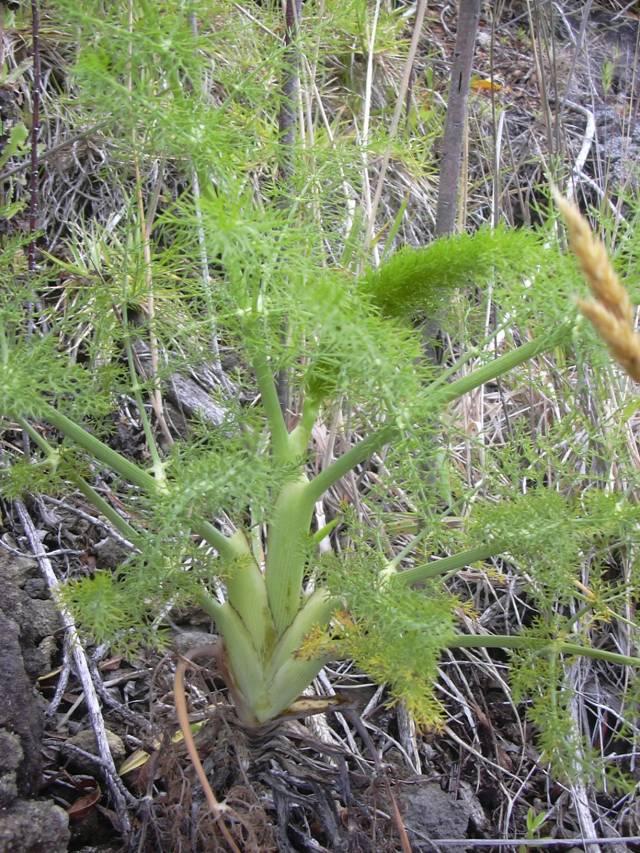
x,y
610,311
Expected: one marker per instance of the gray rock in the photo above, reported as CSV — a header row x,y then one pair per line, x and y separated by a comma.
x,y
36,618
36,588
430,813
86,741
19,711
34,827
25,826
44,616
11,756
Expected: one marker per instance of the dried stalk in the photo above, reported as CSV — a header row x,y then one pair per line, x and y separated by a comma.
x,y
421,8
454,131
218,809
35,134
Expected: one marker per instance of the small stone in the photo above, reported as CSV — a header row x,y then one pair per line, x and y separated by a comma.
x,y
86,740
429,811
184,641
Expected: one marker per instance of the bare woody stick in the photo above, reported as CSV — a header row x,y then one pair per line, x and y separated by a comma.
x,y
118,792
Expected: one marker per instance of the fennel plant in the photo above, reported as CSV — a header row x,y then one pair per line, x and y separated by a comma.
x,y
346,336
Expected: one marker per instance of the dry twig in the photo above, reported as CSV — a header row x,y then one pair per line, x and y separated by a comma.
x,y
117,791
217,808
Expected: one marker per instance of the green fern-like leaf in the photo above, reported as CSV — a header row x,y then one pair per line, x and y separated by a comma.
x,y
549,535
396,635
417,281
101,604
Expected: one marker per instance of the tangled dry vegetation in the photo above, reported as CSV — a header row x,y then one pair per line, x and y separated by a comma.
x,y
552,90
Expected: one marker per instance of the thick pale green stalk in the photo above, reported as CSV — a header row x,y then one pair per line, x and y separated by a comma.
x,y
506,641
315,613
291,680
287,546
268,691
245,664
247,593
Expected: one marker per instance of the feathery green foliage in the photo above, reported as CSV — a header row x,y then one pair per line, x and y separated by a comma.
x,y
417,282
393,633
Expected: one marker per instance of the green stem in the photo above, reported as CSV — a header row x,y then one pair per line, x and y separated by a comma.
x,y
435,568
499,366
158,464
225,546
87,490
120,524
345,463
271,405
100,451
53,455
393,564
300,436
506,641
229,547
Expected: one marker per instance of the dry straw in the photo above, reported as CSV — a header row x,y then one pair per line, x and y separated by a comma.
x,y
610,311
